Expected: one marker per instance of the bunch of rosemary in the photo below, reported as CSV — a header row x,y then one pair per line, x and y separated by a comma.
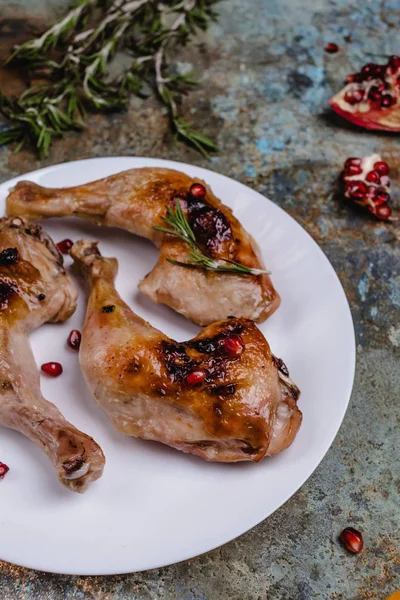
x,y
72,61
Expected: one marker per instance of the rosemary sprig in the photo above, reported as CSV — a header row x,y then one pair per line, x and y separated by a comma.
x,y
74,60
179,226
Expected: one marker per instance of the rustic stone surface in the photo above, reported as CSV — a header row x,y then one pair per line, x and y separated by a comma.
x,y
265,85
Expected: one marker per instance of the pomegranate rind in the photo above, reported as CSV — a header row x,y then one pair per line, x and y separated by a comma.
x,y
385,119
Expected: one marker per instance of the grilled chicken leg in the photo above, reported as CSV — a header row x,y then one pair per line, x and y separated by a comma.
x,y
34,288
222,395
136,200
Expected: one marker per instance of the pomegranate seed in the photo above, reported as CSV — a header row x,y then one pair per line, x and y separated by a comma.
x,y
357,189
379,71
387,100
368,71
74,339
353,170
373,177
197,190
382,167
383,212
3,470
65,246
233,345
350,78
195,377
382,196
374,94
371,193
352,161
54,369
354,96
331,48
352,540
394,62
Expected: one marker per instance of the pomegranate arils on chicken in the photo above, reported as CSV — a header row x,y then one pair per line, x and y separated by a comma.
x,y
371,98
195,377
74,339
367,183
54,369
3,470
197,190
65,246
352,540
331,48
233,345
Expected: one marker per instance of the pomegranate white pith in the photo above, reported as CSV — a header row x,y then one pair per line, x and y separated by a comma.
x,y
371,98
366,182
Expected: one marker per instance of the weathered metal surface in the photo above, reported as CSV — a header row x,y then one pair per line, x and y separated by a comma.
x,y
265,85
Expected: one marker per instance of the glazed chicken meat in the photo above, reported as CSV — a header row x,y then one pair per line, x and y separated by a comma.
x,y
137,200
222,395
35,289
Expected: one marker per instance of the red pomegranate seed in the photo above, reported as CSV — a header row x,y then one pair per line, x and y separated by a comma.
x,y
382,196
54,369
371,193
352,539
3,470
373,177
195,377
357,189
331,48
352,161
383,212
387,100
353,170
394,62
233,345
382,167
354,96
374,94
65,246
370,70
74,339
197,190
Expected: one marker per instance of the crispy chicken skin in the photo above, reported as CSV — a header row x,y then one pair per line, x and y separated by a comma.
x,y
34,289
194,396
136,200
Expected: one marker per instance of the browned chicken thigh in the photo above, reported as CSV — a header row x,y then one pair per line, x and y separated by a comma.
x,y
136,200
222,395
34,289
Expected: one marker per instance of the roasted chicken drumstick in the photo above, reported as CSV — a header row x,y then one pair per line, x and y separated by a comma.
x,y
34,289
136,200
222,395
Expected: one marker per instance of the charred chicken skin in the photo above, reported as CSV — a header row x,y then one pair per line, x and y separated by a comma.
x,y
34,289
136,200
222,395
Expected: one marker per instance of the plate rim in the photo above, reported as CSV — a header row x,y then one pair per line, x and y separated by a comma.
x,y
4,185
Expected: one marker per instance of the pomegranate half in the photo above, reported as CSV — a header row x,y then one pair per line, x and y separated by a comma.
x,y
366,182
371,98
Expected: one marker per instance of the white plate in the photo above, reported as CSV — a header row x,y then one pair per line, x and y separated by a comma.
x,y
155,506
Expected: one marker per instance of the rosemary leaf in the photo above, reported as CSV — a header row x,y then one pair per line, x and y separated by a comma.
x,y
179,226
